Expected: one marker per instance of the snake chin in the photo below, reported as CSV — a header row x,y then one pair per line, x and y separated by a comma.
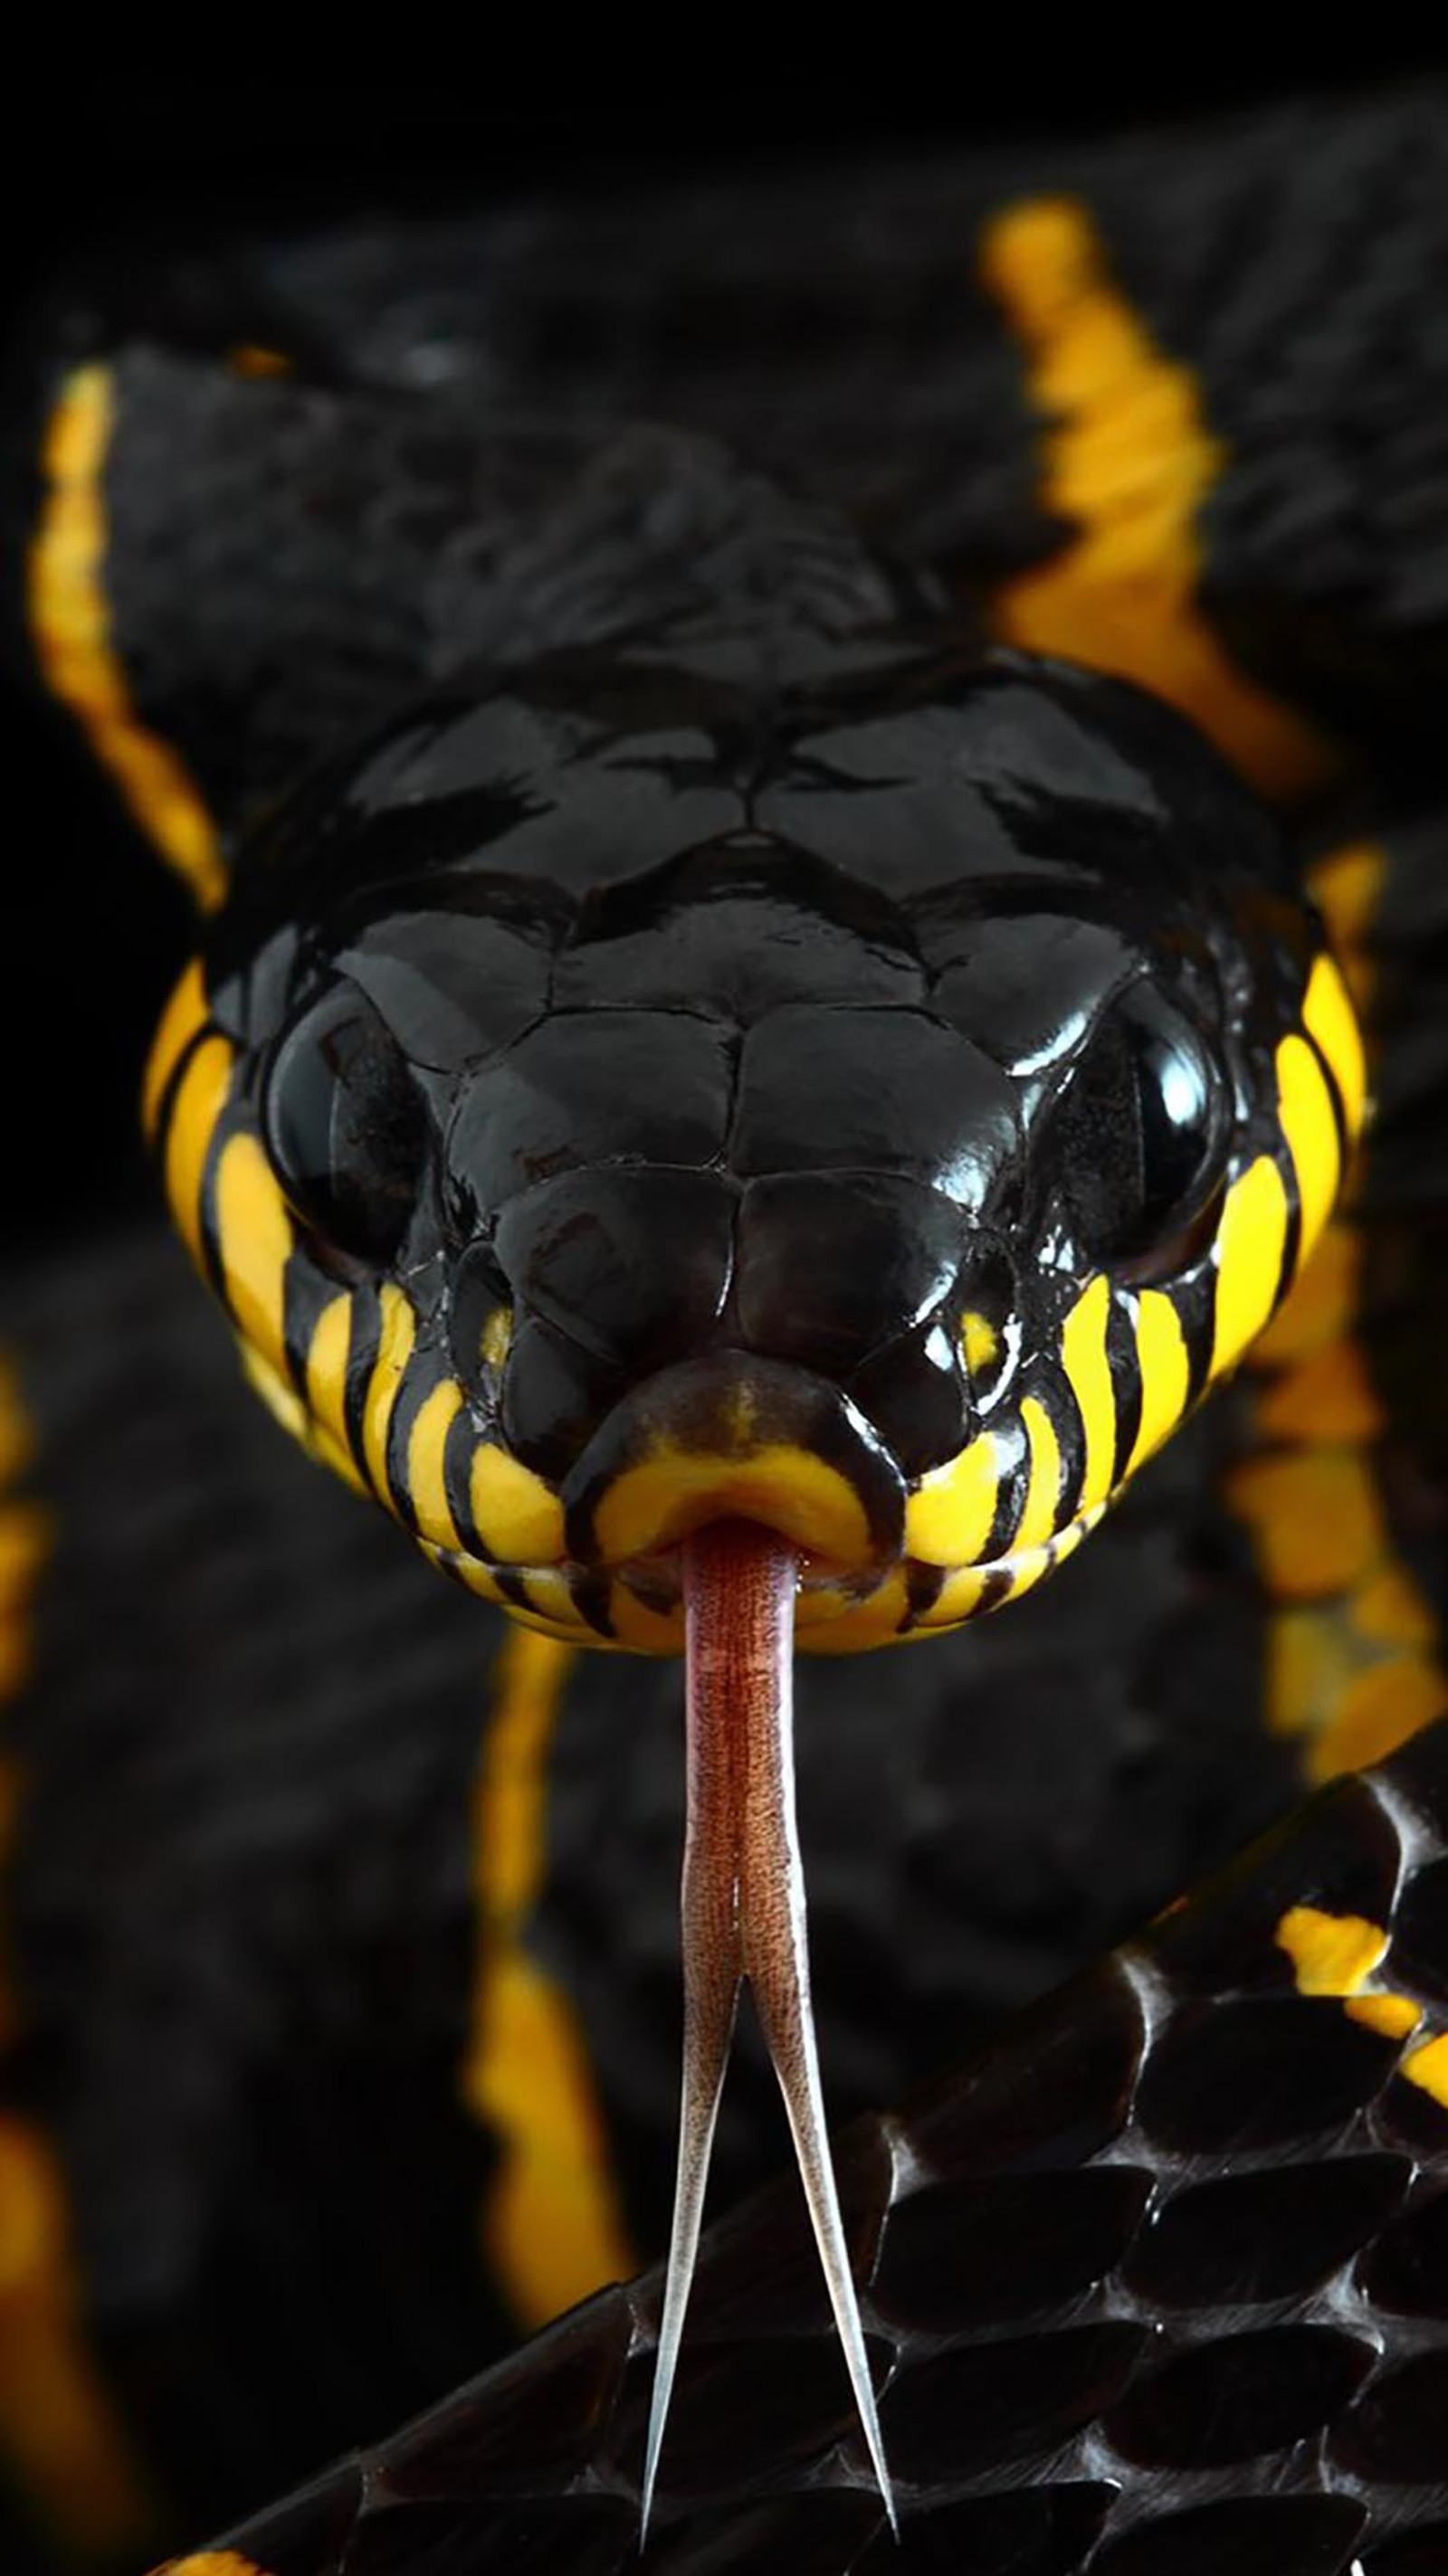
x,y
841,1607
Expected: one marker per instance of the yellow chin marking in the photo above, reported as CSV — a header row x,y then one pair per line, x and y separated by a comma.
x,y
1038,1520
519,1521
1251,1244
395,1342
200,1099
678,1490
1328,1015
1161,1357
948,1518
254,1232
426,1483
1083,1356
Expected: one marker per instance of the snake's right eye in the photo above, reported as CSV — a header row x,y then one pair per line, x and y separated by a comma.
x,y
344,1125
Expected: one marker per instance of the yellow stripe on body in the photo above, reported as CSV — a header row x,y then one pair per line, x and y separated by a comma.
x,y
1130,461
552,2228
70,623
60,2438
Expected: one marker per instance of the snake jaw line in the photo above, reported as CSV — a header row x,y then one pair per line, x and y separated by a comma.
x,y
743,1915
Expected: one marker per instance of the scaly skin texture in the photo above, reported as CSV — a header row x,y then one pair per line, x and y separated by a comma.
x,y
1098,285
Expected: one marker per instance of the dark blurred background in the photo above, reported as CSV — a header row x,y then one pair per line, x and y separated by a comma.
x,y
93,931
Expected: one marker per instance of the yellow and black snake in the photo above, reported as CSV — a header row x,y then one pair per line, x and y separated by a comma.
x,y
797,797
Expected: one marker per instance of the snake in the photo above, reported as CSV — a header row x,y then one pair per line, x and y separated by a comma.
x,y
784,941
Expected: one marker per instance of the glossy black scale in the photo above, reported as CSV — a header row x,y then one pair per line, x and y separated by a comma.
x,y
740,1020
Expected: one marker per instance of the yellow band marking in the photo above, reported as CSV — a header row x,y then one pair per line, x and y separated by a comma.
x,y
326,1383
184,1014
1251,1244
60,2438
398,1333
1334,1955
1331,1954
1043,1492
255,1236
1329,1015
948,1518
519,1521
1304,1106
1083,1356
71,626
426,1448
552,2227
1427,2067
1130,461
1161,1357
201,1096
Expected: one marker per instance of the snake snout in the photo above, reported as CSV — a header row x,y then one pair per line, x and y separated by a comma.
x,y
734,1436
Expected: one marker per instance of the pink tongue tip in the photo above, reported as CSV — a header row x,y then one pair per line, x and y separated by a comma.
x,y
743,1915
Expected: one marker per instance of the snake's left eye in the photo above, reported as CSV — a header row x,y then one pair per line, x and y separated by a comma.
x,y
345,1126
1140,1136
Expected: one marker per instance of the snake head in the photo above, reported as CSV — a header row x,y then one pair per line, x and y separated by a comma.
x,y
877,1107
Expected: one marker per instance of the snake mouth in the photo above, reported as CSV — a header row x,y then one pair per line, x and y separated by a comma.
x,y
732,1436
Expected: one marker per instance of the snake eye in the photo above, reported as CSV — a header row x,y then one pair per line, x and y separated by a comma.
x,y
344,1125
1140,1131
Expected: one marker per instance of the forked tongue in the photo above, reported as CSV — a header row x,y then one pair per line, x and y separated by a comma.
x,y
743,1915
